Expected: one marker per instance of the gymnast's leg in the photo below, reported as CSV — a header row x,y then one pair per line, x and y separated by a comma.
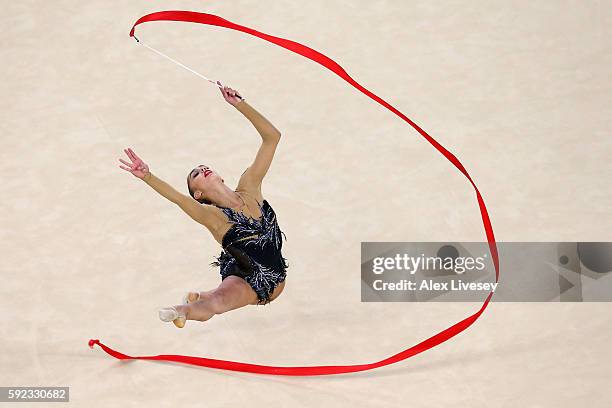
x,y
233,293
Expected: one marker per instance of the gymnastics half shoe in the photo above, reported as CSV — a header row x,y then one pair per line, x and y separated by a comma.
x,y
170,314
186,298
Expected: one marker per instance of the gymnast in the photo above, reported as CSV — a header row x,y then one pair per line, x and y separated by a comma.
x,y
251,264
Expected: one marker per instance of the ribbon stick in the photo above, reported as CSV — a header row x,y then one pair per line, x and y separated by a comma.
x,y
210,19
175,61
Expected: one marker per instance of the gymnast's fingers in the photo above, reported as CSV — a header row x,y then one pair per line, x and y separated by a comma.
x,y
126,163
135,155
125,168
135,160
128,154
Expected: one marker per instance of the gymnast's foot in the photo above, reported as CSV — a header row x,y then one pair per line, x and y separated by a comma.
x,y
171,314
191,297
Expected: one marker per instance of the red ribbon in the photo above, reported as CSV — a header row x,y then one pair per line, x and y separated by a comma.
x,y
210,19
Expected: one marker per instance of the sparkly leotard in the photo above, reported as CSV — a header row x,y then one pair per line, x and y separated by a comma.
x,y
252,251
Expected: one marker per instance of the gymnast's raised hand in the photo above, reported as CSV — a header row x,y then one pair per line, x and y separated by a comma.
x,y
251,264
230,95
137,167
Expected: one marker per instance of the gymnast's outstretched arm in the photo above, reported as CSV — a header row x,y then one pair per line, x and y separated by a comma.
x,y
270,136
198,212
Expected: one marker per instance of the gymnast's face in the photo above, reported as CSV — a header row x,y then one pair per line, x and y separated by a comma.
x,y
202,179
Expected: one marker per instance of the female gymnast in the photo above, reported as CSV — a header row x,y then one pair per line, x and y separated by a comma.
x,y
252,267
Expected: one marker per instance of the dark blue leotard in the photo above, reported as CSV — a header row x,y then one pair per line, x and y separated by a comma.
x,y
256,259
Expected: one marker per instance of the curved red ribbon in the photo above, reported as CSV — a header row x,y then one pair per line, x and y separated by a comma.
x,y
210,19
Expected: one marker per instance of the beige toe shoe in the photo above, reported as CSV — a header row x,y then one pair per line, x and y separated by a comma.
x,y
170,314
